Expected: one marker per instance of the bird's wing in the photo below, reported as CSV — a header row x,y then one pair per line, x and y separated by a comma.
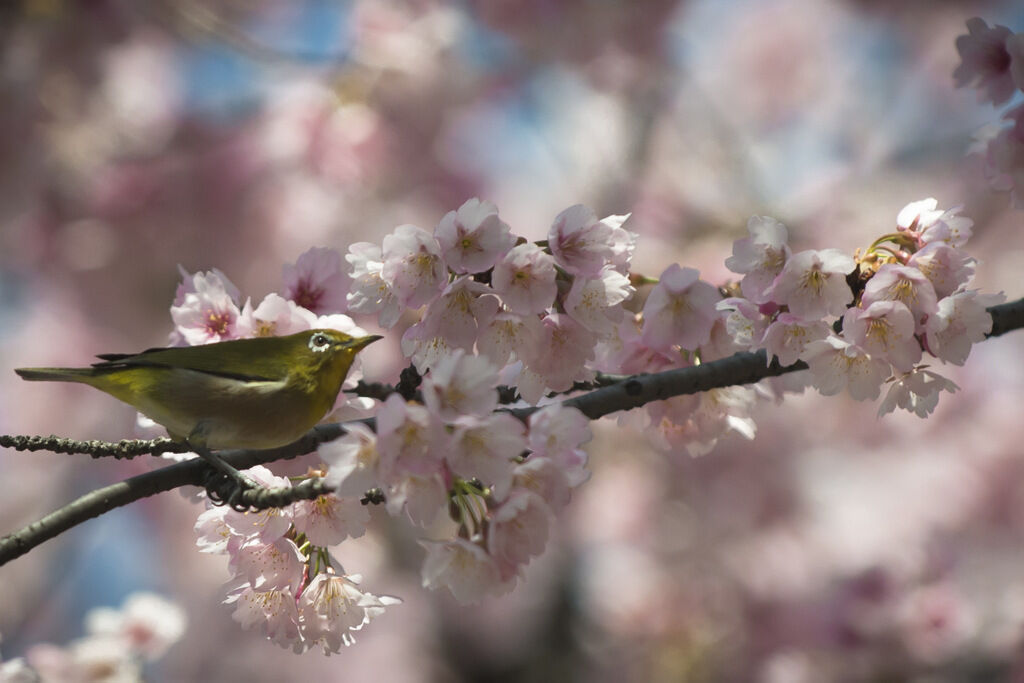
x,y
248,360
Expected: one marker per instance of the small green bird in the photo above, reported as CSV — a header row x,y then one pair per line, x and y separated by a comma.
x,y
246,393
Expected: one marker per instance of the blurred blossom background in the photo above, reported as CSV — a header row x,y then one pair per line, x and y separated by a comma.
x,y
137,136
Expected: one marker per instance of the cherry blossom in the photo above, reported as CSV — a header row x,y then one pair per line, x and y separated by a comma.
x,y
147,622
760,257
579,242
961,320
208,308
370,293
275,316
330,519
916,391
813,284
946,267
985,61
594,302
485,448
518,530
273,611
836,364
332,606
266,566
353,461
473,238
508,337
884,329
907,285
788,336
680,310
461,384
317,281
525,279
412,265
464,568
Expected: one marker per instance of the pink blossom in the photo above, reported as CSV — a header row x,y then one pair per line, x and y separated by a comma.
x,y
524,278
208,309
885,329
696,423
148,623
1004,158
268,525
332,606
961,320
509,336
579,242
813,284
905,284
743,322
788,336
621,241
557,432
464,568
408,438
473,238
273,611
559,358
461,384
193,283
457,316
329,519
760,257
946,267
985,61
422,497
267,566
369,291
485,448
213,531
517,531
680,310
926,223
413,266
544,477
353,461
916,391
918,216
317,281
275,316
836,364
594,302
424,345
85,660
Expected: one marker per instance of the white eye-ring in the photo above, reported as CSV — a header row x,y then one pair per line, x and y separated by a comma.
x,y
319,342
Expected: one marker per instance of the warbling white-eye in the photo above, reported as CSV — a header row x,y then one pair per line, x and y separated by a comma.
x,y
246,393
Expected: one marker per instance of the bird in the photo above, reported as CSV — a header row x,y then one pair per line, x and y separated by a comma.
x,y
257,393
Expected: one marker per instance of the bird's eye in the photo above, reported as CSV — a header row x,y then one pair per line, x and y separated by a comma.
x,y
319,342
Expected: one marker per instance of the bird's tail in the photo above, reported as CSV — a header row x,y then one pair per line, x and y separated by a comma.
x,y
56,374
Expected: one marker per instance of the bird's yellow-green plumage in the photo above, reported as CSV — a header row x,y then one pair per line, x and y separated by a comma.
x,y
246,393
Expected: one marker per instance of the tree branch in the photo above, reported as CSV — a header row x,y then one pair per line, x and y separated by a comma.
x,y
630,392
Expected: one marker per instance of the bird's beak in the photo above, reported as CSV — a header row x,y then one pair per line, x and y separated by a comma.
x,y
362,342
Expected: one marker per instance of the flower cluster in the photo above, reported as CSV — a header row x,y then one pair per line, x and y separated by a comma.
x,y
905,296
500,483
992,60
116,645
284,579
493,309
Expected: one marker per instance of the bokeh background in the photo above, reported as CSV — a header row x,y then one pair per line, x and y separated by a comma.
x,y
137,136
